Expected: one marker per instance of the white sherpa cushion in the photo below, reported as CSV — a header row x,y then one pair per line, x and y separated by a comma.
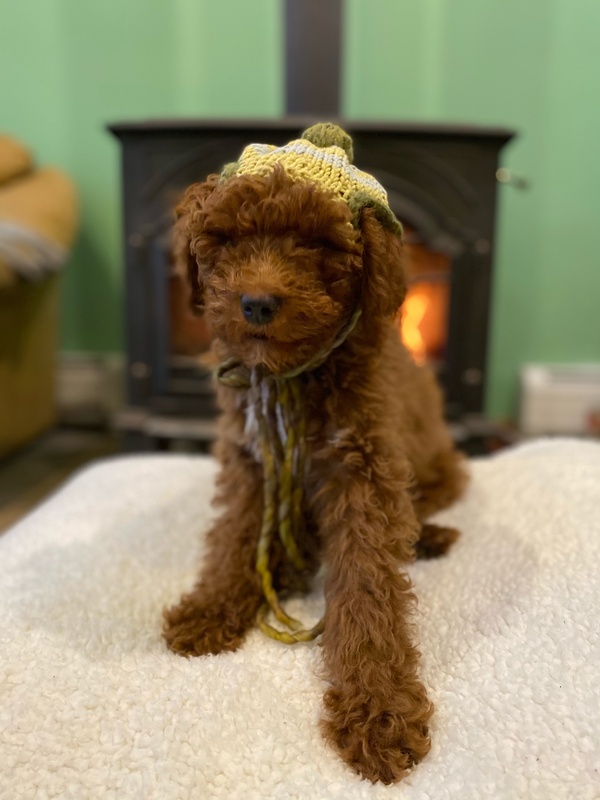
x,y
92,705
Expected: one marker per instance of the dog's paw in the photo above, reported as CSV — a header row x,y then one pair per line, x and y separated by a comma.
x,y
435,540
192,630
381,745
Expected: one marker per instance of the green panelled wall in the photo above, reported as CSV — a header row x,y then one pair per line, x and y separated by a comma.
x,y
67,67
533,66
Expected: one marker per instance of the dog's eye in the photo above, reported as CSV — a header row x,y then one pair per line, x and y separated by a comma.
x,y
222,242
321,244
220,238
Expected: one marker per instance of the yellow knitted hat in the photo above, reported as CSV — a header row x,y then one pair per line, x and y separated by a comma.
x,y
323,156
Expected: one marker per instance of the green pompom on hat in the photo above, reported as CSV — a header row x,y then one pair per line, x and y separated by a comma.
x,y
326,134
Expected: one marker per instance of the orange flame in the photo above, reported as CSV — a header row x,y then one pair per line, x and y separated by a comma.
x,y
413,313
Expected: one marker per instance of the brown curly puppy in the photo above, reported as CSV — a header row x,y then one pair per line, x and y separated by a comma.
x,y
379,460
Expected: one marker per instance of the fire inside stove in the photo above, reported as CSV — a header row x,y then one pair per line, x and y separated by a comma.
x,y
423,318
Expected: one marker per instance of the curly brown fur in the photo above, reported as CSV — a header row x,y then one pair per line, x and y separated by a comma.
x,y
381,460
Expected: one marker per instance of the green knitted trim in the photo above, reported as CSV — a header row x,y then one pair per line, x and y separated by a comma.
x,y
359,200
229,170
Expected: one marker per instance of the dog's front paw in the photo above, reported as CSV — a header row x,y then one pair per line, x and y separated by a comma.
x,y
191,629
381,743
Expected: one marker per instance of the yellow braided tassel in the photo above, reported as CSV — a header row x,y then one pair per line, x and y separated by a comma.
x,y
286,491
300,454
305,635
279,490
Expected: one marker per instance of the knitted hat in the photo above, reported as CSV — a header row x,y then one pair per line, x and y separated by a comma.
x,y
323,156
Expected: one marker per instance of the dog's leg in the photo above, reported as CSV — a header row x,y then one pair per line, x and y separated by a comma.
x,y
377,707
440,483
223,605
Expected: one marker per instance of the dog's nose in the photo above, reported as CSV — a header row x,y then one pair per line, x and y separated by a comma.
x,y
259,310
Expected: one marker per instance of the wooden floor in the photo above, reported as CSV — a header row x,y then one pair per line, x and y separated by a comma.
x,y
31,475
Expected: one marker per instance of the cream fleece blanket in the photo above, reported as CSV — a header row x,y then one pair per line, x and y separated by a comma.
x,y
93,706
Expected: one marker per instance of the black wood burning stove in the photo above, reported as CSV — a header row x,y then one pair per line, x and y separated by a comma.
x,y
441,183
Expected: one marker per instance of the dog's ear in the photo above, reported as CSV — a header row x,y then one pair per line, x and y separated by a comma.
x,y
384,279
189,215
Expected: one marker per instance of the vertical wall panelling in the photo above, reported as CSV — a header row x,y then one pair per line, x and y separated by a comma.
x,y
534,67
